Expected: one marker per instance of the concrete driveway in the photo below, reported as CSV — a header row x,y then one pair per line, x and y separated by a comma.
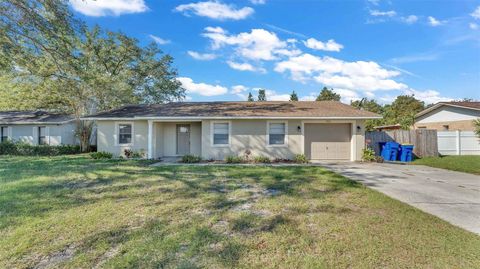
x,y
449,195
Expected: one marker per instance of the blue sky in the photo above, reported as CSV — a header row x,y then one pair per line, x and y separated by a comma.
x,y
373,48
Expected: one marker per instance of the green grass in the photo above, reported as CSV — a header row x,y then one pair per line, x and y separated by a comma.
x,y
74,212
467,164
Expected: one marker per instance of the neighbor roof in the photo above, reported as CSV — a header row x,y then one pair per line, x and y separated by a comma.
x,y
467,105
33,117
205,110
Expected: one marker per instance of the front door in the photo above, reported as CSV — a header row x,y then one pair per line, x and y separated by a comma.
x,y
183,139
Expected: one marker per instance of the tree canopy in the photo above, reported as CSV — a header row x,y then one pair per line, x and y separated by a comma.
x,y
250,97
261,95
51,60
293,96
328,95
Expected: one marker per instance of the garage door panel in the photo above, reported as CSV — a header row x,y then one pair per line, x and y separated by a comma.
x,y
325,141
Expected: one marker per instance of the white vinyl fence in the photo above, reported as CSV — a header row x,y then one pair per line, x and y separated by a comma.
x,y
458,143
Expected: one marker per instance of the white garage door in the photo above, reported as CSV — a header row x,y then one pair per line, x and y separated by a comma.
x,y
328,141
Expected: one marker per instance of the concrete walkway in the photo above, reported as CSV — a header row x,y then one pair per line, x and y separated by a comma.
x,y
449,195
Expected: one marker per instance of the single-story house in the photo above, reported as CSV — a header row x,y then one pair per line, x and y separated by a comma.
x,y
446,116
37,127
214,130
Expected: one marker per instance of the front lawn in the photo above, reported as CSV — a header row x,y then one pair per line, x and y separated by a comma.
x,y
467,164
74,212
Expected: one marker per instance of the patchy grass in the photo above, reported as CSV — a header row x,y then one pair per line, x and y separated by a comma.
x,y
468,164
74,212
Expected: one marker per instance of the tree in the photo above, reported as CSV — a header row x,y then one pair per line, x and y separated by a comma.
x,y
261,95
372,106
403,110
476,124
250,97
54,61
293,96
328,95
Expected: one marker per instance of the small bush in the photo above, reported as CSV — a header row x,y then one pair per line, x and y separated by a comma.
x,y
368,155
191,159
131,154
261,159
300,158
234,159
101,155
24,149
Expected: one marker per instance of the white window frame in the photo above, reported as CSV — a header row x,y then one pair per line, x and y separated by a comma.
x,y
9,132
285,142
117,133
212,128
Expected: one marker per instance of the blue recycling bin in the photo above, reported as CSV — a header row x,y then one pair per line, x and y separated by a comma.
x,y
389,151
406,153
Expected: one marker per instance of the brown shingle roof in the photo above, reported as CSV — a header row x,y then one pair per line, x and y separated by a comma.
x,y
464,104
467,105
320,109
35,117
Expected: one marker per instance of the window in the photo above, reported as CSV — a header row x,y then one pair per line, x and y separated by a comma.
x,y
221,133
276,133
3,133
124,133
42,138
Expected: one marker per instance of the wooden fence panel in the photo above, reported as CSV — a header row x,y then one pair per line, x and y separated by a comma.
x,y
424,140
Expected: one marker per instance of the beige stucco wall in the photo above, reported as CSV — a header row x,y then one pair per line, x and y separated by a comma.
x,y
107,137
166,138
245,134
56,134
252,135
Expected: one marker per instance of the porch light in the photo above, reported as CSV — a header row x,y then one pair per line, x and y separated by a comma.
x,y
299,128
359,128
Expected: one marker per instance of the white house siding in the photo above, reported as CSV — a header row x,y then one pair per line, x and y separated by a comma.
x,y
448,113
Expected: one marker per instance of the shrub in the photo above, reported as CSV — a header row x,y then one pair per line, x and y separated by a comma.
x,y
300,158
101,155
24,149
368,155
234,159
191,159
261,159
131,154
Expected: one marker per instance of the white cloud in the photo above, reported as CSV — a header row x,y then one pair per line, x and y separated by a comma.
x,y
409,19
274,96
374,2
238,89
202,56
473,26
415,58
330,45
258,2
359,75
434,22
428,96
201,88
159,40
476,13
245,67
258,44
215,10
378,13
98,8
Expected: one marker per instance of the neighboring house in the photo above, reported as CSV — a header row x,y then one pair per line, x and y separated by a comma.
x,y
37,127
214,130
448,116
